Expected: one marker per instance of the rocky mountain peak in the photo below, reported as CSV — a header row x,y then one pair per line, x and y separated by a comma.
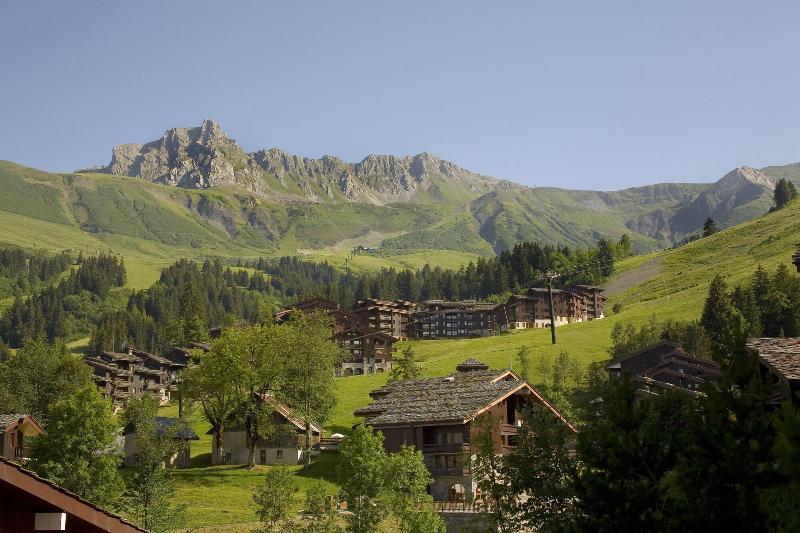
x,y
743,175
204,157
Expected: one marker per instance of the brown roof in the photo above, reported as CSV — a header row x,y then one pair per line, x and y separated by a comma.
x,y
286,412
47,495
457,398
117,356
780,354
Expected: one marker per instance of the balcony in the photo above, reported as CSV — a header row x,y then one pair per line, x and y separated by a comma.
x,y
457,471
508,429
445,448
21,454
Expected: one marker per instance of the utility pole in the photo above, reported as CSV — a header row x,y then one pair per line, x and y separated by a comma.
x,y
550,275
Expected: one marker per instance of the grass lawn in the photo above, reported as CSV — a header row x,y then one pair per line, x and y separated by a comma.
x,y
221,495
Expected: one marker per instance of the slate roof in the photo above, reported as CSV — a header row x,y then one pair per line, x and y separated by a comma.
x,y
455,398
662,348
782,354
9,419
117,356
162,423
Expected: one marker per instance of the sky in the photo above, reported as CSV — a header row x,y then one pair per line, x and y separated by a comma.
x,y
588,95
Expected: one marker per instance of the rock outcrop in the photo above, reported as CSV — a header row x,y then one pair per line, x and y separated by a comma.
x,y
205,157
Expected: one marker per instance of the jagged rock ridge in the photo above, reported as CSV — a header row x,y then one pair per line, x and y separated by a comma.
x,y
205,157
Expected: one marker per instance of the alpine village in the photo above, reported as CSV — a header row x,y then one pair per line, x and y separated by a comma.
x,y
202,337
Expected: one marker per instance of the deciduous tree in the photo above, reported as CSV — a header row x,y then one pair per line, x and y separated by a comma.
x,y
274,498
78,452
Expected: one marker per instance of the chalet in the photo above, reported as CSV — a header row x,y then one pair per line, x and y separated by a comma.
x,y
184,434
442,416
286,448
665,366
121,375
390,317
532,310
779,364
594,297
31,503
15,432
438,319
369,349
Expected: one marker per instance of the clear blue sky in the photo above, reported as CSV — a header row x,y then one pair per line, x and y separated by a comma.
x,y
593,94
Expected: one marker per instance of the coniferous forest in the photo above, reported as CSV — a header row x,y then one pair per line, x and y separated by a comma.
x,y
189,297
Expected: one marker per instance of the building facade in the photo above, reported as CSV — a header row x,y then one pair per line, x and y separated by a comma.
x,y
16,431
390,317
369,349
122,375
665,366
438,319
779,365
286,448
443,416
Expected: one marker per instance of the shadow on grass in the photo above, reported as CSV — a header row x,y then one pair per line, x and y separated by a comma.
x,y
323,467
201,460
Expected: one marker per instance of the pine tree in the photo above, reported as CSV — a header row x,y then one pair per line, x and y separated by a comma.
x,y
710,227
717,309
785,191
406,368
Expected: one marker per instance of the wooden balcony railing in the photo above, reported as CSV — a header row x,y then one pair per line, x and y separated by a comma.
x,y
444,448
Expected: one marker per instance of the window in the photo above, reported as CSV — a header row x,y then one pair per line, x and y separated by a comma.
x,y
279,454
263,457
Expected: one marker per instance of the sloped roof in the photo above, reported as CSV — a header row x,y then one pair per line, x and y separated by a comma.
x,y
781,354
52,496
286,412
457,398
662,347
118,356
162,423
471,364
9,419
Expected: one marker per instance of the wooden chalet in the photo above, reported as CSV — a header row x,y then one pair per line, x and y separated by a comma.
x,y
162,424
442,416
369,349
390,317
594,297
779,364
438,319
31,503
665,366
16,430
286,448
121,375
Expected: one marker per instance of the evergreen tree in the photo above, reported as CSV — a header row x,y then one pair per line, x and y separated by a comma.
x,y
406,368
726,455
627,448
709,227
785,192
524,361
717,309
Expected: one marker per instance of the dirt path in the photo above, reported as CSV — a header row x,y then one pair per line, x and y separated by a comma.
x,y
635,276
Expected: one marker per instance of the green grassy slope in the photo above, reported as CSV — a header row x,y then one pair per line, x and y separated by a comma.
x,y
669,284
